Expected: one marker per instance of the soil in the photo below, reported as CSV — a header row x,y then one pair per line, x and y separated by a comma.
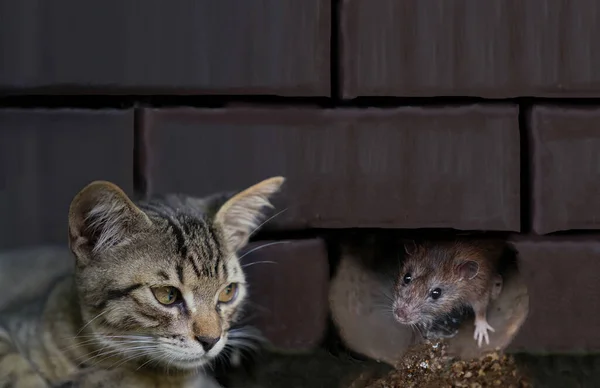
x,y
427,365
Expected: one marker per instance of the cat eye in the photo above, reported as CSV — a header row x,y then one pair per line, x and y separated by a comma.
x,y
436,293
228,293
407,278
166,295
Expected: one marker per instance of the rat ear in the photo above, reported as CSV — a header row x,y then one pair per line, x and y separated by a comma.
x,y
240,216
468,269
101,216
411,247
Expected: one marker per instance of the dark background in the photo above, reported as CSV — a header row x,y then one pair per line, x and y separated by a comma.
x,y
464,114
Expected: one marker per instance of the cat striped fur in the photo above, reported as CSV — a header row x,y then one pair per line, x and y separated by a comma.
x,y
156,288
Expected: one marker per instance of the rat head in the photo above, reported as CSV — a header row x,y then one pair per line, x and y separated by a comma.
x,y
432,281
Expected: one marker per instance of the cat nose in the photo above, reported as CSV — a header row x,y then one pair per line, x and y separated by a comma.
x,y
207,342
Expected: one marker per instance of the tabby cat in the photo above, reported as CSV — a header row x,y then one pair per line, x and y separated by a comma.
x,y
156,288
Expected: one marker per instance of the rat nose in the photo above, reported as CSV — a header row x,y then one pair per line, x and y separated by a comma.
x,y
400,311
207,342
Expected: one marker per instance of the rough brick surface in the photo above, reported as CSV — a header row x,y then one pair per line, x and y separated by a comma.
x,y
501,48
564,295
46,157
565,159
406,168
288,291
185,46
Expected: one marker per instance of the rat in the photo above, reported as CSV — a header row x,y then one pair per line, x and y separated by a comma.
x,y
436,278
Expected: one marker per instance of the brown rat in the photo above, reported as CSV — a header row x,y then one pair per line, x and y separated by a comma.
x,y
437,277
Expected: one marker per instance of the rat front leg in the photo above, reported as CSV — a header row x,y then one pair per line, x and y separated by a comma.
x,y
481,324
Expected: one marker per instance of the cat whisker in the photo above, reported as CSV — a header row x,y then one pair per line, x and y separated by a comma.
x,y
95,354
258,262
139,353
246,333
267,220
98,340
92,320
79,344
168,359
245,342
99,337
209,365
145,363
261,247
145,351
113,352
116,342
112,336
88,342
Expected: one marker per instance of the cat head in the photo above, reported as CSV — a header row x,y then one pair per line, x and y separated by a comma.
x,y
160,282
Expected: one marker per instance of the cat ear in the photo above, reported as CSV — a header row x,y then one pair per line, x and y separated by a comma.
x,y
468,269
240,216
101,216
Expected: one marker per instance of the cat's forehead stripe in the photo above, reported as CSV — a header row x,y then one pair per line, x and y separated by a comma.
x,y
178,232
196,240
180,273
194,266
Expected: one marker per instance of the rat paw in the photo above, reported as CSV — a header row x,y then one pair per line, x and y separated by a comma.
x,y
481,332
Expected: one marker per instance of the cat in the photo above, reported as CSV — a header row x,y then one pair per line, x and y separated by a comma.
x,y
155,289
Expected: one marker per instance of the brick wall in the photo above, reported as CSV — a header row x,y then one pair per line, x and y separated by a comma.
x,y
464,114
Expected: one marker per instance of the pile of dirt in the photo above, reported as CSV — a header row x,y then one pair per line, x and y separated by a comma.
x,y
427,365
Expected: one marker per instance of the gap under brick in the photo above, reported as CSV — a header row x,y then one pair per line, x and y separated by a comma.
x,y
526,176
88,100
140,175
336,70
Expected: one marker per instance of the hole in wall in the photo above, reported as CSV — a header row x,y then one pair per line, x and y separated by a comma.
x,y
362,295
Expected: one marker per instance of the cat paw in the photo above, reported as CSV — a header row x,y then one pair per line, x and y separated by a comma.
x,y
481,332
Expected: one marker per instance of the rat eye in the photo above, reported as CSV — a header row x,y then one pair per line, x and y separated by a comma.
x,y
228,293
436,293
407,278
166,295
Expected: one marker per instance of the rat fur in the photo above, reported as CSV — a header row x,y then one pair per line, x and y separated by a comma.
x,y
437,277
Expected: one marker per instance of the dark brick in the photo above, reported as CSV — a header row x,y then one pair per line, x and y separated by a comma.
x,y
183,47
501,48
401,168
288,291
565,152
46,157
564,293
